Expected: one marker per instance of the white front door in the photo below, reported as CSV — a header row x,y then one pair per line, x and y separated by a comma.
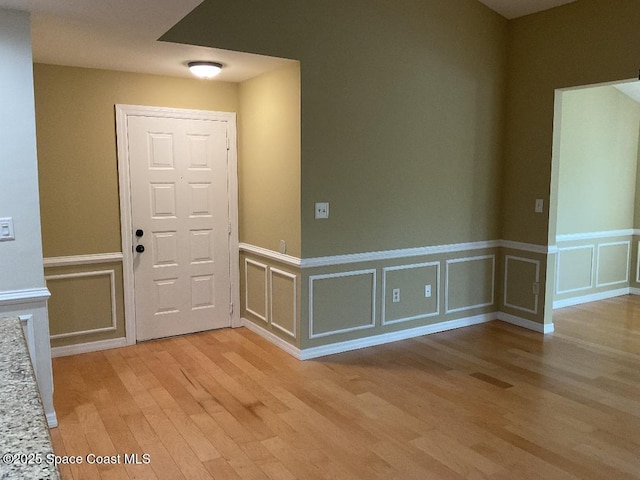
x,y
180,224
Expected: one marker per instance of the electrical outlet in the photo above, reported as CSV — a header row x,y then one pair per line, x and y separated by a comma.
x,y
322,210
539,205
396,295
427,291
536,288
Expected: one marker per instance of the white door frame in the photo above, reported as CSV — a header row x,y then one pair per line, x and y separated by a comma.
x,y
126,226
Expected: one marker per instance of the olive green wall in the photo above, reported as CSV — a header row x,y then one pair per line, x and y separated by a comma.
x,y
582,43
77,163
423,122
598,160
269,167
402,108
402,118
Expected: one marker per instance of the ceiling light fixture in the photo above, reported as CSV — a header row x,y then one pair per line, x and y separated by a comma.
x,y
203,69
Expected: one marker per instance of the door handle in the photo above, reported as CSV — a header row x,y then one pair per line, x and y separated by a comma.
x,y
140,248
139,233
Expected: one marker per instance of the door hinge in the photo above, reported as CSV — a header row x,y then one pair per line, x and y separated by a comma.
x,y
231,309
229,230
228,144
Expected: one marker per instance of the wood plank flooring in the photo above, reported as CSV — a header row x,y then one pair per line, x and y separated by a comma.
x,y
492,401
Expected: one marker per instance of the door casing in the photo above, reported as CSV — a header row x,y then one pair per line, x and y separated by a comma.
x,y
126,226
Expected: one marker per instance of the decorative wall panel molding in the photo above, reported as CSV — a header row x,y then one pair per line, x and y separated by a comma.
x,y
638,263
323,311
397,254
560,268
623,272
455,261
573,237
270,254
262,296
112,295
77,260
535,279
288,326
435,292
17,297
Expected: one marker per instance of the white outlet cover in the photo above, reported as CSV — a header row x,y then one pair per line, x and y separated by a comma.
x,y
395,295
427,291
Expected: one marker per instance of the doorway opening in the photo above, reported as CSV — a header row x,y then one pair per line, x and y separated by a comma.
x,y
595,194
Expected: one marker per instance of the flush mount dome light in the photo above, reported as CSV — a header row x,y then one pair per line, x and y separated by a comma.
x,y
205,69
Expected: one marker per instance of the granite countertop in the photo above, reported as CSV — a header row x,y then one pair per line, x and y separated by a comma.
x,y
26,451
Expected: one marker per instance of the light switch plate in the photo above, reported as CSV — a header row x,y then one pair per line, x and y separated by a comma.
x,y
6,229
322,210
539,205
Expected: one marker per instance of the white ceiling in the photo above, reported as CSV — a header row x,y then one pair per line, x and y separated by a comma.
x,y
122,35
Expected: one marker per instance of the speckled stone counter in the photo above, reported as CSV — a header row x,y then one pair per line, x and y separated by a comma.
x,y
25,445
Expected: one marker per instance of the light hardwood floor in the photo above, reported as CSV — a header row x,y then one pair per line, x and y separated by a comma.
x,y
492,401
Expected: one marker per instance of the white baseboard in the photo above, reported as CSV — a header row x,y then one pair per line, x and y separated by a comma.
x,y
340,347
569,302
88,347
381,339
524,323
272,338
52,420
634,291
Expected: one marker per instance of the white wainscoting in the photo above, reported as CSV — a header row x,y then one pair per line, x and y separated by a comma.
x,y
17,297
578,237
385,270
77,260
624,278
312,296
270,254
638,263
377,339
600,274
294,307
265,288
560,268
454,261
515,258
112,295
267,274
81,261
